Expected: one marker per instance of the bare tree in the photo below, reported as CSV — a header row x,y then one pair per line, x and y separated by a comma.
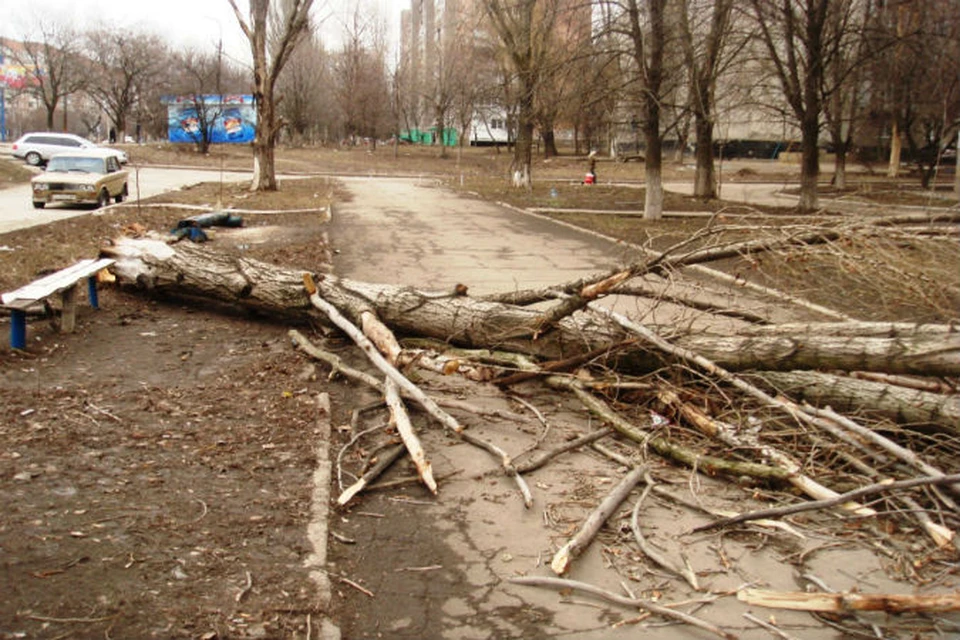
x,y
294,16
917,73
200,76
523,28
362,90
843,86
704,28
795,36
646,31
123,62
58,71
308,103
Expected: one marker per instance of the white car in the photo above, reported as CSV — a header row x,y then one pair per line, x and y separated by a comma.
x,y
36,149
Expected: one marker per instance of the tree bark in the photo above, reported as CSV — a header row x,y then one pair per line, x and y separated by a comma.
x,y
193,271
902,405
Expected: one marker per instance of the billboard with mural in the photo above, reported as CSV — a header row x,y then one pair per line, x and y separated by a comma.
x,y
16,76
230,118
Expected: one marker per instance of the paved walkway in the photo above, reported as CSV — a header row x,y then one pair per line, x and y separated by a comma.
x,y
440,568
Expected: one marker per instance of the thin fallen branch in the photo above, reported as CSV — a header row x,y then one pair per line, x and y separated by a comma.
x,y
666,447
847,602
937,533
401,419
378,360
561,365
372,473
418,395
901,453
727,434
337,365
506,463
588,530
246,588
855,494
780,633
616,598
547,456
643,289
685,572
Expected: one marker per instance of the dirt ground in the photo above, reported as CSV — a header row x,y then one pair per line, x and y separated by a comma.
x,y
156,465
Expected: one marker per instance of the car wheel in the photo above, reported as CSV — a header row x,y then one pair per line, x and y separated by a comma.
x,y
103,199
33,159
38,205
123,194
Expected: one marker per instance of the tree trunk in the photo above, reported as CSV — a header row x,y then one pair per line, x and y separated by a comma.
x,y
704,180
809,163
190,271
840,167
902,405
896,146
523,149
549,142
653,68
264,174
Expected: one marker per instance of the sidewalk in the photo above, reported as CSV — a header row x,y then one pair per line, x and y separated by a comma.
x,y
439,567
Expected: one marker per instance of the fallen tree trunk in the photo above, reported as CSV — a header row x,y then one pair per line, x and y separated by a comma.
x,y
195,272
902,405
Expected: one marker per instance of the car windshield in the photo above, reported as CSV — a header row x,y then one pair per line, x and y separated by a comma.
x,y
84,165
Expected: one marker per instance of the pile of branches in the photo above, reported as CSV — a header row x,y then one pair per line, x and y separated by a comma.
x,y
879,398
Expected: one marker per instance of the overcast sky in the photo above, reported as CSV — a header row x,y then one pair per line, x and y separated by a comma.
x,y
192,23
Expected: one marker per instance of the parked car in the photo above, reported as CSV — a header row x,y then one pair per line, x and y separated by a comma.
x,y
86,176
37,148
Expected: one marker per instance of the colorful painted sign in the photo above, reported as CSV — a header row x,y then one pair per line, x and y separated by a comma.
x,y
229,118
16,76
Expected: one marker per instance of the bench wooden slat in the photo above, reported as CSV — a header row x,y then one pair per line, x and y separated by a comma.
x,y
40,289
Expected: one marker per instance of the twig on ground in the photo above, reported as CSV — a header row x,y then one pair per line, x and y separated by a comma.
x,y
246,588
769,627
384,463
652,552
660,610
590,527
869,490
547,456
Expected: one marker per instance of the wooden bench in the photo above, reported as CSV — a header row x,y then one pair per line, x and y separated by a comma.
x,y
64,283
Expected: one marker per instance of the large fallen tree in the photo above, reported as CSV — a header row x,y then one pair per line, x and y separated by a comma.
x,y
848,388
571,329
187,270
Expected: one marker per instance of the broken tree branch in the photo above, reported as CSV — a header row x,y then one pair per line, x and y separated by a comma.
x,y
588,530
401,419
665,447
685,572
855,494
646,605
727,434
847,602
372,473
547,456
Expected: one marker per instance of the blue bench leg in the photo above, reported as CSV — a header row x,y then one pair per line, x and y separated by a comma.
x,y
92,292
18,329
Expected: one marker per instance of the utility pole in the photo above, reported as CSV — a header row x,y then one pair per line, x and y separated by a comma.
x,y
3,97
